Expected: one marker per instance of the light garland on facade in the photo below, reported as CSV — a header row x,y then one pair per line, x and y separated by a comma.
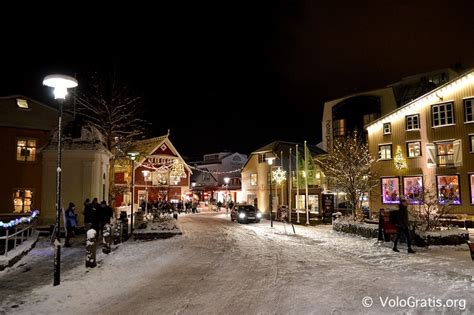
x,y
17,221
215,172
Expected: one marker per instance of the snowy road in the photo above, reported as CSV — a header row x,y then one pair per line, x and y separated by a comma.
x,y
219,267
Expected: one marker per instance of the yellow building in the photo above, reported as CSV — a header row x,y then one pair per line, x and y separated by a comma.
x,y
435,134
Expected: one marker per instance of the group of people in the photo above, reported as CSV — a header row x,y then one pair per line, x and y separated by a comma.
x,y
95,217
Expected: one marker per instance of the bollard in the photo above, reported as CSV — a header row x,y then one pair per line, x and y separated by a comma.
x,y
107,238
91,247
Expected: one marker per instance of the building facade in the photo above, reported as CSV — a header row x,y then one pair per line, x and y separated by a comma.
x,y
25,126
256,178
217,177
160,173
435,134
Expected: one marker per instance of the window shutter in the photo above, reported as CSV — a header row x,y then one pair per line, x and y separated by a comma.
x,y
431,155
457,150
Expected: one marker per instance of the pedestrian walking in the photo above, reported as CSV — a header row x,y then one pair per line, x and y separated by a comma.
x,y
71,222
401,222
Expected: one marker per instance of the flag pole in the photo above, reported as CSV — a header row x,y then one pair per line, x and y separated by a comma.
x,y
306,183
281,185
290,177
297,185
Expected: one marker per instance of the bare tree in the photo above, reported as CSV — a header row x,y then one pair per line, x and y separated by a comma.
x,y
349,167
427,209
108,104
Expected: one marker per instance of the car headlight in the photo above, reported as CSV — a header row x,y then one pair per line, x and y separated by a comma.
x,y
242,215
259,215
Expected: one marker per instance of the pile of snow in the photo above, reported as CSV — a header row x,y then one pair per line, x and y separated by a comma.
x,y
161,227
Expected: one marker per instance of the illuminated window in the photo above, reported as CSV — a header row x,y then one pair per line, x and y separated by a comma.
x,y
390,190
413,189
445,152
339,127
313,203
253,179
300,202
26,150
471,142
412,122
21,103
442,114
387,128
468,114
22,200
448,189
414,149
385,151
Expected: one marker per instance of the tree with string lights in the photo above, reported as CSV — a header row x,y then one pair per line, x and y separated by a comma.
x,y
349,168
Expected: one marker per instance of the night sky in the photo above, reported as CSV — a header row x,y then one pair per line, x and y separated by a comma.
x,y
237,76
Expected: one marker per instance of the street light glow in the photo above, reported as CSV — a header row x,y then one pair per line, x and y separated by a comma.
x,y
60,83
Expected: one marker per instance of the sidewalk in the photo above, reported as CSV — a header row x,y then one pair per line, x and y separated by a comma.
x,y
38,263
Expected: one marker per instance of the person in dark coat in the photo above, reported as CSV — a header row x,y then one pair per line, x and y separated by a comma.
x,y
91,216
401,221
105,214
71,223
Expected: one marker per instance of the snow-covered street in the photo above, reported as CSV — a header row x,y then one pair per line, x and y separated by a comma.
x,y
221,267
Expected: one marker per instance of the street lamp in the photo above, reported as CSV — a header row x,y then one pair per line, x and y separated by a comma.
x,y
132,156
60,83
270,158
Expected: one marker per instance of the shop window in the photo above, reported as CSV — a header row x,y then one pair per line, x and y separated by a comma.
x,y
448,189
390,190
413,189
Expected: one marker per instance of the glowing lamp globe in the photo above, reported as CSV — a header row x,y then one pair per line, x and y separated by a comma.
x,y
60,83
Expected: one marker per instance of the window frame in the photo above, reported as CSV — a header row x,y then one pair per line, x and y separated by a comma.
x,y
438,164
389,125
464,101
471,196
403,187
382,190
459,189
22,192
251,179
26,147
407,117
408,149
433,125
471,142
391,151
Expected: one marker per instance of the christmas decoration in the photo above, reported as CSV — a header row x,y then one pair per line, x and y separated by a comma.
x,y
279,176
399,161
13,223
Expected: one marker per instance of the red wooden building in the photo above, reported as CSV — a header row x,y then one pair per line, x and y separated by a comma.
x,y
160,173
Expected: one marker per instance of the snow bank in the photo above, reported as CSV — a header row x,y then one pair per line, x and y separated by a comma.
x,y
355,227
163,227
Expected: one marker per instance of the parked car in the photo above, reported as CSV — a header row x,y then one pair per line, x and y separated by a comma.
x,y
245,214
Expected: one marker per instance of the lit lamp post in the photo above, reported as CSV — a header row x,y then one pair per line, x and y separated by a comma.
x,y
132,156
270,158
60,83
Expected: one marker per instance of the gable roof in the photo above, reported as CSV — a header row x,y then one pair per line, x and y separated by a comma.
x,y
37,116
146,147
278,146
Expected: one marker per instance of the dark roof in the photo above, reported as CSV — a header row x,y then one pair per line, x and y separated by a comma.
x,y
38,115
145,147
276,147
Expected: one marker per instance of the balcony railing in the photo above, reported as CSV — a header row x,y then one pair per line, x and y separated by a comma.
x,y
446,160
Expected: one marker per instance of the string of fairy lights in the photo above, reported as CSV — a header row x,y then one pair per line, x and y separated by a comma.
x,y
17,221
